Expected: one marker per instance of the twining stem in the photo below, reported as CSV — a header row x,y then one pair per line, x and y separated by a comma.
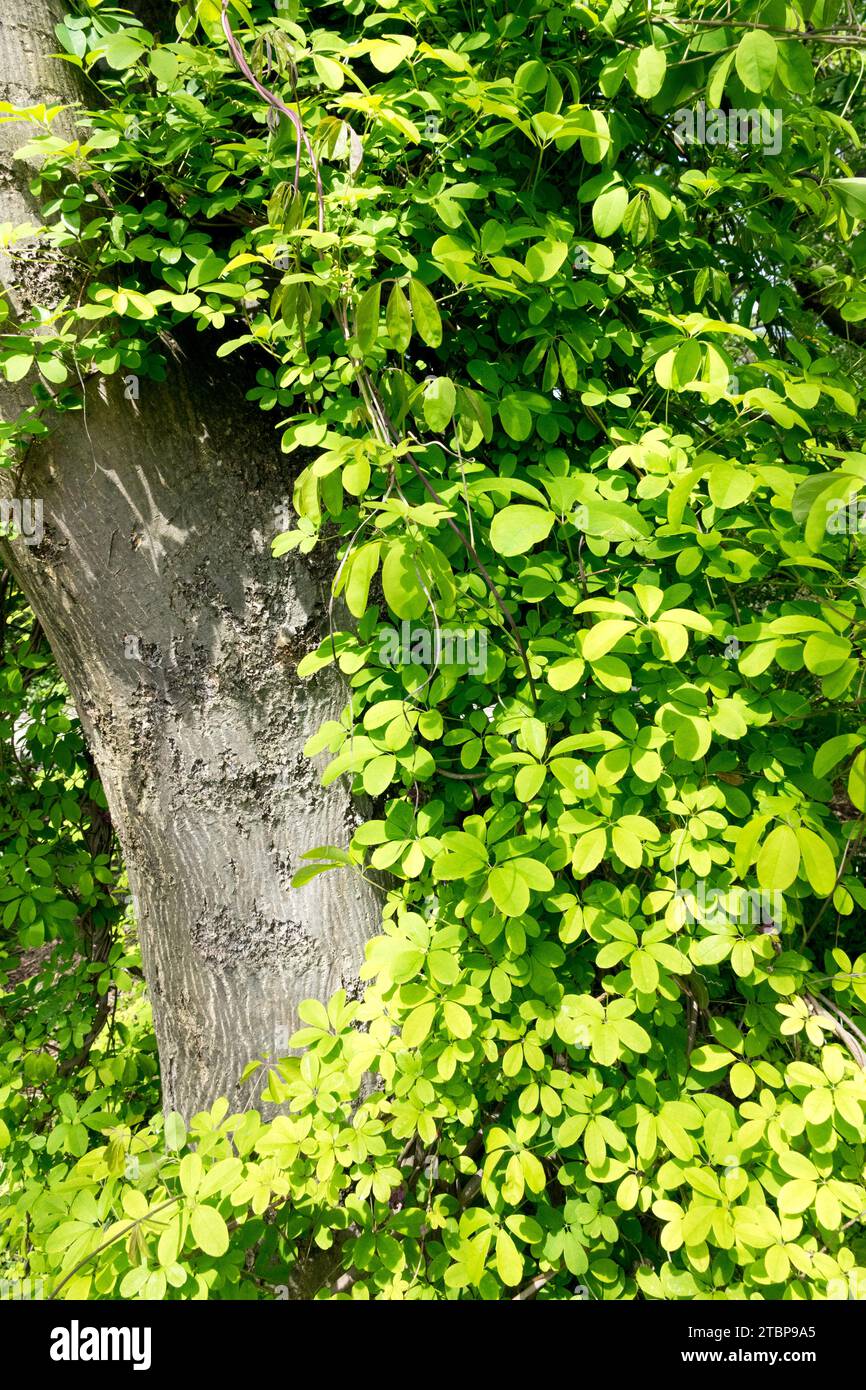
x,y
105,1244
279,105
382,425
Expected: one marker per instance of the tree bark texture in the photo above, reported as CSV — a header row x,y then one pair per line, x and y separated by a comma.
x,y
178,635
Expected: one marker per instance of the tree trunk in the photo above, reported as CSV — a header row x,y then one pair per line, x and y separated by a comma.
x,y
178,635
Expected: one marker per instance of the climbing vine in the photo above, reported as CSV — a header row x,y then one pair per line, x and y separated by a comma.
x,y
557,310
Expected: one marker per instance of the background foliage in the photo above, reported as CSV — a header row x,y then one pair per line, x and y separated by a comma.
x,y
551,372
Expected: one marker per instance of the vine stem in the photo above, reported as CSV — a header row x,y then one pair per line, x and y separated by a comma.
x,y
829,897
848,1022
105,1244
279,105
838,1028
372,400
532,1288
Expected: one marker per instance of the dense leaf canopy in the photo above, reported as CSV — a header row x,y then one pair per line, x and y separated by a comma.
x,y
557,312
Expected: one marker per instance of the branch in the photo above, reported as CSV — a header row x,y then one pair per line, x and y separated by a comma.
x,y
842,1033
105,1244
531,1289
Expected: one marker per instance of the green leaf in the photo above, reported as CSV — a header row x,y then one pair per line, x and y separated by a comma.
x,y
857,782
508,890
164,65
795,67
565,674
833,751
190,1173
717,79
818,1106
379,774
209,1230
644,970
516,418
458,1020
608,210
53,369
613,521
729,486
330,72
440,398
518,528
367,317
825,652
628,1192
121,50
779,859
852,195
545,258
418,1025
425,313
388,54
595,144
529,781
312,1011
17,366
742,959
462,855
604,635
827,1209
401,581
646,71
360,567
443,967
797,1196
818,861
398,319
525,1228
175,1130
589,851
755,60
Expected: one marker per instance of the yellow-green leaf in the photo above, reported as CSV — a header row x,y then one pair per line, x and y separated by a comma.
x,y
779,859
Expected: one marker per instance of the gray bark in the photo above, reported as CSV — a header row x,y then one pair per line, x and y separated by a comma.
x,y
178,635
